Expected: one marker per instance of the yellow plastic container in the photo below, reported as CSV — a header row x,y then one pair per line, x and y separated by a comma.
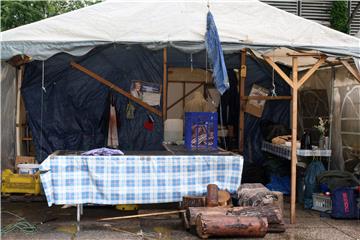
x,y
127,207
20,183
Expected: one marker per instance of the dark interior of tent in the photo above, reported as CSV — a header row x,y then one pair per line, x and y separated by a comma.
x,y
67,109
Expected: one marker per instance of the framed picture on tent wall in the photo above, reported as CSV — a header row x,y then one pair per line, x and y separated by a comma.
x,y
146,91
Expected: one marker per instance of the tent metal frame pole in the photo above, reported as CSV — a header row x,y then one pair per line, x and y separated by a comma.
x,y
165,85
331,117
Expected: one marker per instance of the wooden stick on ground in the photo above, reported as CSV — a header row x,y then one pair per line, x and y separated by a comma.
x,y
142,215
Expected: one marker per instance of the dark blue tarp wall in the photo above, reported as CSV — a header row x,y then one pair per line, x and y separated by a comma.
x,y
276,111
73,112
76,107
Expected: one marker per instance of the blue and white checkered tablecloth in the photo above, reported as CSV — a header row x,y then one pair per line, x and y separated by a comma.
x,y
76,179
285,152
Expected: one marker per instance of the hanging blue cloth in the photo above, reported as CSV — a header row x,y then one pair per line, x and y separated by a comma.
x,y
215,55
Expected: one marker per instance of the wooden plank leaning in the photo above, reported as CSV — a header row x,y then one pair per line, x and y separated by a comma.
x,y
115,88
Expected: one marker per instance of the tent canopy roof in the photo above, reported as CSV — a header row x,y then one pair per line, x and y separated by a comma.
x,y
240,23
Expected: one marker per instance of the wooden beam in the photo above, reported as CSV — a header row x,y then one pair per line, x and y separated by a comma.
x,y
184,92
115,88
311,71
279,71
164,103
19,132
305,54
179,100
330,63
293,139
186,74
266,98
353,71
19,60
180,81
242,78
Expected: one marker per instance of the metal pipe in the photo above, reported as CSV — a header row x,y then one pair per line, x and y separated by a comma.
x,y
78,213
332,83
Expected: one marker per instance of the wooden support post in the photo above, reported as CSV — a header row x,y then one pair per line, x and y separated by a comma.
x,y
295,84
242,78
164,103
115,88
184,92
19,126
293,139
353,71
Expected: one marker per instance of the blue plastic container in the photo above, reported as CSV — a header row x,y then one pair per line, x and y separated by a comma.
x,y
201,130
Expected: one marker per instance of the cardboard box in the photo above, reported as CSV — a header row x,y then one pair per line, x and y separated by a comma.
x,y
256,107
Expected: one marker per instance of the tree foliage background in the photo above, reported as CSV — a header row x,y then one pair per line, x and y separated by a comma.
x,y
17,13
339,16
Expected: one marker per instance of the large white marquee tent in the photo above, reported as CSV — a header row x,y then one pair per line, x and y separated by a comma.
x,y
179,24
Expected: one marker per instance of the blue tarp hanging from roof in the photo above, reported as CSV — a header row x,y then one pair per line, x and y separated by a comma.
x,y
216,56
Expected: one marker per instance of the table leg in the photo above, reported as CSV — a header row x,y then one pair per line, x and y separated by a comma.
x,y
78,213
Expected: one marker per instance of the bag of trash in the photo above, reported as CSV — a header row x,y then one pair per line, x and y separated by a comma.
x,y
312,171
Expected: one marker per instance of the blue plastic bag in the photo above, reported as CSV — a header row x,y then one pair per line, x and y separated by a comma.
x,y
314,169
280,184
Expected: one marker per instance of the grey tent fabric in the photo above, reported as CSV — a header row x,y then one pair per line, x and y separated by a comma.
x,y
8,115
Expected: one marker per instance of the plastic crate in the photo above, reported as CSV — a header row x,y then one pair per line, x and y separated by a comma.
x,y
322,202
201,130
24,159
20,183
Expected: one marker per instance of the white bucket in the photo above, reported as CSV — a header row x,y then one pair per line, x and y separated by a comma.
x,y
173,130
28,168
